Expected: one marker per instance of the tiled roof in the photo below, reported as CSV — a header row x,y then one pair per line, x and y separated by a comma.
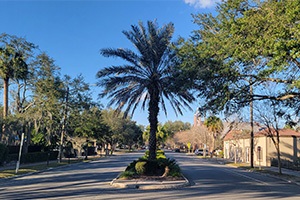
x,y
237,134
238,130
282,133
244,134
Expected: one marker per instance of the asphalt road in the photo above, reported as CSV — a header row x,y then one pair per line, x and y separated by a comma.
x,y
91,181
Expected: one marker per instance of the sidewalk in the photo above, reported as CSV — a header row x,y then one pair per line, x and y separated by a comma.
x,y
287,174
284,171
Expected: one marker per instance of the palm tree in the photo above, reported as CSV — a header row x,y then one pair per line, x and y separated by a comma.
x,y
13,53
215,126
148,77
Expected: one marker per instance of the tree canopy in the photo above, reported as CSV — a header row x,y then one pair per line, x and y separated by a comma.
x,y
246,44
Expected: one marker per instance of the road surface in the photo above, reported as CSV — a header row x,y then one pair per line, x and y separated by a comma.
x,y
91,181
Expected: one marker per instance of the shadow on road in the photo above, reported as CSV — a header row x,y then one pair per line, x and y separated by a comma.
x,y
91,181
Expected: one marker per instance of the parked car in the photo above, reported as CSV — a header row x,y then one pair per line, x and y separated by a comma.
x,y
177,150
199,152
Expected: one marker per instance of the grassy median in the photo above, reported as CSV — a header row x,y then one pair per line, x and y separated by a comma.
x,y
7,173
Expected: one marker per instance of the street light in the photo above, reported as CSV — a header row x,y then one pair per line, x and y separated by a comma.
x,y
63,127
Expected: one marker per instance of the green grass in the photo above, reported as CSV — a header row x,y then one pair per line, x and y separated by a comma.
x,y
39,167
265,171
240,165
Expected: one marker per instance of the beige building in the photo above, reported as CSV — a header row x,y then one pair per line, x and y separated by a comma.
x,y
237,146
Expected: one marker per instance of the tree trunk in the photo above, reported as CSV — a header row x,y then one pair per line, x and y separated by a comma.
x,y
153,114
5,109
28,137
5,97
279,160
278,151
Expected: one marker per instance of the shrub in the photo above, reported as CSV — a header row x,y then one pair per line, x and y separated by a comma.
x,y
153,168
140,167
156,167
174,168
131,166
3,153
159,154
221,154
12,157
127,174
33,157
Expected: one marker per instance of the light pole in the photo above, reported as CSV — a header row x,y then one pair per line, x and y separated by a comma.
x,y
252,128
63,130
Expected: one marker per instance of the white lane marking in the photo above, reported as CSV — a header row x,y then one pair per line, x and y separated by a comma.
x,y
245,176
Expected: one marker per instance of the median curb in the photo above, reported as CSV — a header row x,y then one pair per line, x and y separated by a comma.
x,y
149,184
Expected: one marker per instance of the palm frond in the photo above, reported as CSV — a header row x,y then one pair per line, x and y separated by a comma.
x,y
150,71
125,54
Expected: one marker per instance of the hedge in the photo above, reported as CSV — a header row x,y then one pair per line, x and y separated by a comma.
x,y
3,153
33,157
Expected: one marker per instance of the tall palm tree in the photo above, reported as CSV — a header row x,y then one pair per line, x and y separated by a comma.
x,y
215,126
148,77
13,54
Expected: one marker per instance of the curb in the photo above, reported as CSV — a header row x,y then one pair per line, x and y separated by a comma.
x,y
269,175
149,185
279,178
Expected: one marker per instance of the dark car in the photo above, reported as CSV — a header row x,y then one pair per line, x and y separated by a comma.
x,y
177,150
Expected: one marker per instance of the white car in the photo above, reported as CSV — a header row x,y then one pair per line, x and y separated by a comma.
x,y
200,152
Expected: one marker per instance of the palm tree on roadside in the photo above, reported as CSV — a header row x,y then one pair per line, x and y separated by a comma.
x,y
13,54
215,126
148,77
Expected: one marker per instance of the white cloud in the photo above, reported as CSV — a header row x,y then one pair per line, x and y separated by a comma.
x,y
202,3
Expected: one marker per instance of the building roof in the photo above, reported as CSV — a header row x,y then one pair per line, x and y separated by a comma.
x,y
244,134
235,130
237,134
282,133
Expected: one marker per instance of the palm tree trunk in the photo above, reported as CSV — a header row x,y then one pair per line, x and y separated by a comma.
x,y
153,114
5,97
5,108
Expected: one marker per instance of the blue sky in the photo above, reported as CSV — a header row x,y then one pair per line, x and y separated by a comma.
x,y
72,32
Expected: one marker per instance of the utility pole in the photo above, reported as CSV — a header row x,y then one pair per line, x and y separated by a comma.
x,y
252,128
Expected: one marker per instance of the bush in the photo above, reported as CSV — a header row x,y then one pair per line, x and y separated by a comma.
x,y
127,174
140,167
3,153
33,157
39,157
14,149
173,167
153,168
156,167
221,154
159,154
12,157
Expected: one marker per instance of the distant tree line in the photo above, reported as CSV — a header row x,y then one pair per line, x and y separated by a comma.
x,y
51,109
